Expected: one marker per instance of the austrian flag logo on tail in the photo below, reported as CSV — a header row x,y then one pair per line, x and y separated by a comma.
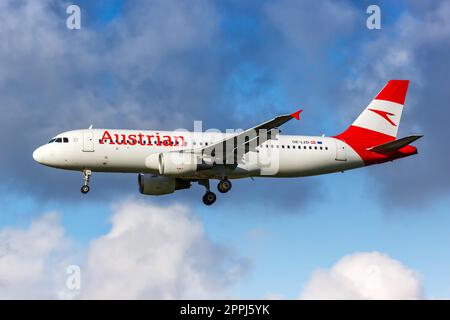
x,y
385,115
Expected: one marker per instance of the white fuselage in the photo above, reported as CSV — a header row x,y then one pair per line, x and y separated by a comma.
x,y
128,150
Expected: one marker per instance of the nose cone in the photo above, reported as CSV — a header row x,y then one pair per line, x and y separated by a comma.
x,y
38,155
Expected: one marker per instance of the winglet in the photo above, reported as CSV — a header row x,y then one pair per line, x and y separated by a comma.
x,y
296,114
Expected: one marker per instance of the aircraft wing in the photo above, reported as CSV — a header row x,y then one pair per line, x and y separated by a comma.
x,y
258,134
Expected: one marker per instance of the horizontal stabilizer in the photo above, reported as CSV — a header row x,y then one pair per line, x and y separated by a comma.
x,y
395,145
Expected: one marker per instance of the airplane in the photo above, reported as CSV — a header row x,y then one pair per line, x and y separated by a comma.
x,y
166,161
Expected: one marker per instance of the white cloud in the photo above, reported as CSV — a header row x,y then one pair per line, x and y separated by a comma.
x,y
311,25
399,52
157,253
154,252
30,257
150,252
366,275
273,296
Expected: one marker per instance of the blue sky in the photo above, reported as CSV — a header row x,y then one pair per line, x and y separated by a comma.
x,y
233,65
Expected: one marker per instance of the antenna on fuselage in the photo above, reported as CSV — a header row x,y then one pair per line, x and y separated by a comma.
x,y
90,127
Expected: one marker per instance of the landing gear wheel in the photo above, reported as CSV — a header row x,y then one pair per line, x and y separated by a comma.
x,y
224,186
209,198
86,176
84,189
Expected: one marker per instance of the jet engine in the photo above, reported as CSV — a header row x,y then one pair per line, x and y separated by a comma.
x,y
155,185
176,163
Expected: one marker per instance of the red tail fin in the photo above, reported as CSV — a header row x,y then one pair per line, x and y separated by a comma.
x,y
379,122
381,118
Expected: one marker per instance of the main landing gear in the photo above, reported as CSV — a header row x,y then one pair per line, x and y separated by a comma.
x,y
224,186
86,175
210,197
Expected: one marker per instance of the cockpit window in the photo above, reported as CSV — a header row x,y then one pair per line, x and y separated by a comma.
x,y
60,140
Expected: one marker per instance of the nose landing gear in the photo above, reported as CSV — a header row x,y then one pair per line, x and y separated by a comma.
x,y
86,175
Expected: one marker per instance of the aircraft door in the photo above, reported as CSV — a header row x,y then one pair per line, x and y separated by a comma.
x,y
88,141
341,150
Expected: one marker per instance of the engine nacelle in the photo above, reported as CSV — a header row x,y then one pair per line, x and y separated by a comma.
x,y
155,185
176,163
152,162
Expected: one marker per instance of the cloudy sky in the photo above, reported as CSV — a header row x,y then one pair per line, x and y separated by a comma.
x,y
380,232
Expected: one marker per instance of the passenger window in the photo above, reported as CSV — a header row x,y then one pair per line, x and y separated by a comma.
x,y
326,148
310,147
315,148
